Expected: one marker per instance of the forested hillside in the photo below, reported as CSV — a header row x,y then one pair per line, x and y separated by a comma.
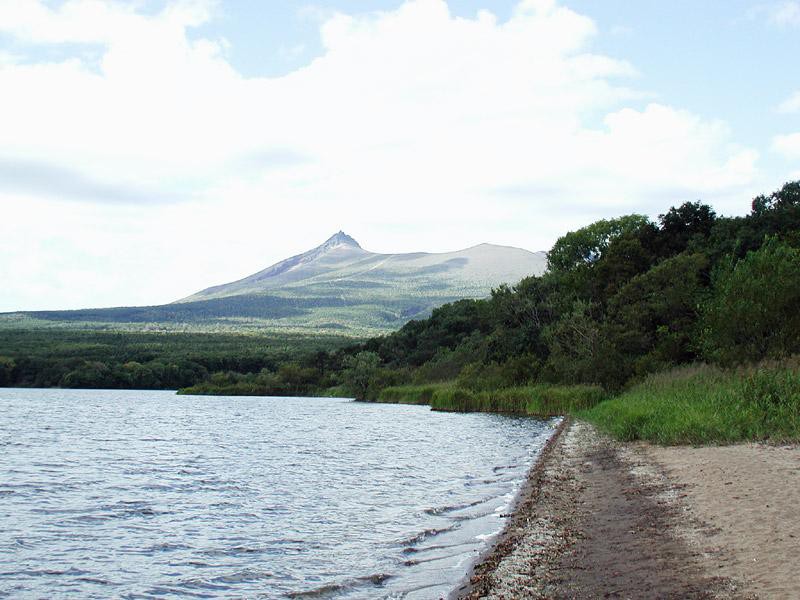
x,y
626,297
151,360
621,299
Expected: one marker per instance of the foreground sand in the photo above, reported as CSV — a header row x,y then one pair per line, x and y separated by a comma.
x,y
748,496
604,520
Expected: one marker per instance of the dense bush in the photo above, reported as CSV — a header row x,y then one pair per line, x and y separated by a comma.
x,y
754,310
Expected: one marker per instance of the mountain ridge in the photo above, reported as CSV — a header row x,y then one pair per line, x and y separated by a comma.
x,y
319,261
337,286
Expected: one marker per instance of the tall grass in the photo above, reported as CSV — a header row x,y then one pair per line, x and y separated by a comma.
x,y
410,394
707,405
537,400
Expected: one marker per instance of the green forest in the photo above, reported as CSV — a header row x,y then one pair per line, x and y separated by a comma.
x,y
631,316
680,330
108,359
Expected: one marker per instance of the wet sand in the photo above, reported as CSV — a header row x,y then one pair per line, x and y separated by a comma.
x,y
600,519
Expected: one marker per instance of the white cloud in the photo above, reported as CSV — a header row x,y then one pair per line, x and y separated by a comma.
x,y
791,104
621,30
787,145
785,14
412,120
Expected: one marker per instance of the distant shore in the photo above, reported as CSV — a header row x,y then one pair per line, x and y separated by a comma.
x,y
600,519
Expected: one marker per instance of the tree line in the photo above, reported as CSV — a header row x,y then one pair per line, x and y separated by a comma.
x,y
621,299
70,358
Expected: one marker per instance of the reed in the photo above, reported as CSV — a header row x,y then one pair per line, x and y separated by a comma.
x,y
410,394
537,400
702,404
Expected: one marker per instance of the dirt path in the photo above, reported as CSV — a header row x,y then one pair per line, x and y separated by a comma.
x,y
598,520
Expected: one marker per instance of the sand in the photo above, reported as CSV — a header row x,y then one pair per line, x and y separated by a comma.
x,y
748,497
600,519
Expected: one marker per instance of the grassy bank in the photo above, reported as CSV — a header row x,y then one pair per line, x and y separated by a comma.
x,y
537,400
411,394
698,404
707,405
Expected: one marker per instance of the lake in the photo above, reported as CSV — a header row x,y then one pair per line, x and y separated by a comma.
x,y
147,494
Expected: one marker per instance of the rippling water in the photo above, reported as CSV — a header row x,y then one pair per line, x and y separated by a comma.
x,y
147,494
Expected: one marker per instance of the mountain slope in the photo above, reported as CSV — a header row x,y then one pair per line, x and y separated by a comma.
x,y
337,252
337,286
340,266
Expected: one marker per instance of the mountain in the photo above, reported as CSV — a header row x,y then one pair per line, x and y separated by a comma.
x,y
337,286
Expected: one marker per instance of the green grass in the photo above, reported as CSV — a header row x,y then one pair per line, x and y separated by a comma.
x,y
336,391
707,405
410,394
239,388
537,400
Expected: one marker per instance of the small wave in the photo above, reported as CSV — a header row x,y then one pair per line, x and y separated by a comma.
x,y
46,572
487,536
476,482
426,534
332,589
479,515
248,575
201,584
420,561
440,510
165,547
235,551
435,547
95,580
181,592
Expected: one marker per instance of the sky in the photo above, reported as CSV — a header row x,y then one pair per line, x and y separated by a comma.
x,y
152,148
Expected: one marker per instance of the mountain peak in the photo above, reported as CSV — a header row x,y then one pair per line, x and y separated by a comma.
x,y
340,239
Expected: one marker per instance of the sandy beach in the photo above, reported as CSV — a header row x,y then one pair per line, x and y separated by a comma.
x,y
748,498
600,519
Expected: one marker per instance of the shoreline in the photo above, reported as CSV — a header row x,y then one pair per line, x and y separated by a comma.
x,y
488,557
600,519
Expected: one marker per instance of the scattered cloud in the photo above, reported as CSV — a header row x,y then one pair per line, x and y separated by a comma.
x,y
791,104
375,135
35,178
621,30
780,14
786,14
787,145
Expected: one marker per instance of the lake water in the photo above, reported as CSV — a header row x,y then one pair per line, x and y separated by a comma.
x,y
147,494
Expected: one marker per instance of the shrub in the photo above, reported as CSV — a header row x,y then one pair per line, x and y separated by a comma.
x,y
753,313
